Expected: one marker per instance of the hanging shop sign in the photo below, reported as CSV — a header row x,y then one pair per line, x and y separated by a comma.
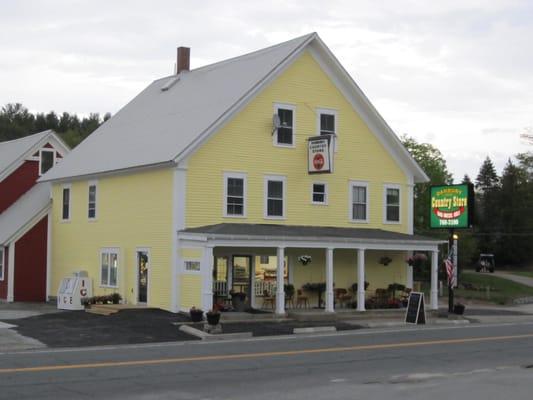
x,y
320,156
451,206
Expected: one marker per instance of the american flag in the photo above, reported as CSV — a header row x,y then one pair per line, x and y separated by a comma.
x,y
448,263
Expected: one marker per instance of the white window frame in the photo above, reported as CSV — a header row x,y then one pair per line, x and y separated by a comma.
x,y
109,250
69,187
235,175
2,263
329,111
350,201
46,150
319,203
291,107
279,178
190,271
392,186
95,184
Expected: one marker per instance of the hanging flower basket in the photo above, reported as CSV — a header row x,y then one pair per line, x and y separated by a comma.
x,y
385,260
305,259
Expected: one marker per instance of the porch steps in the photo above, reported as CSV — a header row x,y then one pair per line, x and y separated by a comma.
x,y
108,309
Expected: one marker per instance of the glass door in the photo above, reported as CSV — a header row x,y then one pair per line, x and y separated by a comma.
x,y
142,268
241,283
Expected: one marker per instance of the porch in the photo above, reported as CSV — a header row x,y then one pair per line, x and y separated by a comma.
x,y
280,267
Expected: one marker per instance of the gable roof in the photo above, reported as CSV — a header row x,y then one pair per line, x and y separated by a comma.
x,y
174,115
25,212
13,152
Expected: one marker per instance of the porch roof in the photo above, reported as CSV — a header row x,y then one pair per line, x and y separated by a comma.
x,y
276,233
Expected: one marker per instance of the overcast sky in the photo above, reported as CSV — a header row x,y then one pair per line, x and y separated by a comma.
x,y
454,73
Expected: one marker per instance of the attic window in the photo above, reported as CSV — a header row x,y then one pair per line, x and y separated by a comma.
x,y
46,160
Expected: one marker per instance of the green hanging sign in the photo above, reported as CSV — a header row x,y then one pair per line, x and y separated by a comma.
x,y
451,206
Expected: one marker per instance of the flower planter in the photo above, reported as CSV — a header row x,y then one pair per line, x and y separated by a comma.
x,y
196,315
459,309
213,318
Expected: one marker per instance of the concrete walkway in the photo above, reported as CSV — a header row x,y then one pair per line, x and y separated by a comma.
x,y
524,280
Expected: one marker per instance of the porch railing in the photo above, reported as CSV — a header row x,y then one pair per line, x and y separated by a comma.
x,y
220,288
260,286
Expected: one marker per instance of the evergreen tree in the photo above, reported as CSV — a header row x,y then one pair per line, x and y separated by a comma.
x,y
487,178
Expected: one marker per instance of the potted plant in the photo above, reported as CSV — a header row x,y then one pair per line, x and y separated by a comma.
x,y
355,286
385,260
416,259
196,314
213,317
305,259
115,298
459,309
238,300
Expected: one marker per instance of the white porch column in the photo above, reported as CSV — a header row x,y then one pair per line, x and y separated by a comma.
x,y
434,280
360,279
409,280
11,273
207,273
280,290
330,305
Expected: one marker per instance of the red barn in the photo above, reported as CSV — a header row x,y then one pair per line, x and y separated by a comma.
x,y
24,209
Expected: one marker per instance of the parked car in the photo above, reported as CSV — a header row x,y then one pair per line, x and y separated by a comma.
x,y
485,263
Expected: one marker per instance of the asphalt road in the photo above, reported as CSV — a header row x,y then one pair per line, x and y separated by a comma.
x,y
474,362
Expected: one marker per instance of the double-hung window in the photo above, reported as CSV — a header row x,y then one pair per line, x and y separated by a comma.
x,y
327,124
234,195
2,263
275,188
47,158
91,205
358,201
284,135
65,209
319,193
109,268
392,204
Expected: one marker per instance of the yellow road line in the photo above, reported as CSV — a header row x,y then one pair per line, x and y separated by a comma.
x,y
260,355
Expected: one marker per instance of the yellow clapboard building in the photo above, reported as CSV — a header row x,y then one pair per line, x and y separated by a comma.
x,y
244,176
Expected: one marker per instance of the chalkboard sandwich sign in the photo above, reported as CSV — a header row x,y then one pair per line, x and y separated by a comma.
x,y
415,313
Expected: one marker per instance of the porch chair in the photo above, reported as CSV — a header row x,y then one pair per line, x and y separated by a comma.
x,y
268,299
342,297
301,299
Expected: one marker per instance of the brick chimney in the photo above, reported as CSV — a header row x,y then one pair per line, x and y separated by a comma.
x,y
183,59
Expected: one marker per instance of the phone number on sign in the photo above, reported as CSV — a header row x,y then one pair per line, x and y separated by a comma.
x,y
449,222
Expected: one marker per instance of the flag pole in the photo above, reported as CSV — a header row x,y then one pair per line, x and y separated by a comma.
x,y
450,281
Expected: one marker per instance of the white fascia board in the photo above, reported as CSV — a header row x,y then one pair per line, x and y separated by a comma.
x,y
122,171
311,242
245,99
28,225
355,96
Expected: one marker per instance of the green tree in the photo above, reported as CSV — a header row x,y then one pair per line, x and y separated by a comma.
x,y
434,165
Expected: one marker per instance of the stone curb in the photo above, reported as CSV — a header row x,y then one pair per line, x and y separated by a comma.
x,y
207,336
316,329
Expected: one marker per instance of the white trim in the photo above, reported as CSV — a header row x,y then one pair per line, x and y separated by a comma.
x,y
364,108
325,202
285,106
278,178
49,255
136,290
49,137
206,266
94,183
69,187
410,208
178,222
109,250
235,175
11,273
392,186
366,185
335,113
3,263
46,150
